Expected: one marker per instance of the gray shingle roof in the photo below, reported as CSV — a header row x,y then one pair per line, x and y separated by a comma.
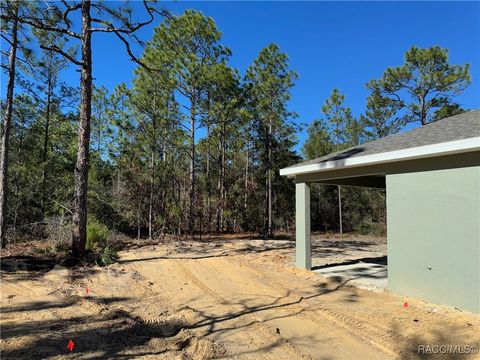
x,y
463,126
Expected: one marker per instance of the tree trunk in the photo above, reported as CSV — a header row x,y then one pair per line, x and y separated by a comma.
x,y
192,171
7,120
224,172
340,210
209,191
423,112
138,223
269,182
150,205
45,145
245,200
221,180
219,188
81,167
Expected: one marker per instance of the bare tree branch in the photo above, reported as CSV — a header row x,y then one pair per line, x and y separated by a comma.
x,y
128,27
6,39
66,12
63,53
130,53
39,25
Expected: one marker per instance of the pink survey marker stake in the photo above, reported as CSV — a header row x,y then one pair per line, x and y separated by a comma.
x,y
70,345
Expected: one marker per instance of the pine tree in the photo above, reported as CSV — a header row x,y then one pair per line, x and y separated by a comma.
x,y
224,122
58,19
188,45
423,84
380,118
40,78
269,81
13,33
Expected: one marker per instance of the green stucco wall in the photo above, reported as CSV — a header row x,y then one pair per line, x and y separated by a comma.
x,y
433,220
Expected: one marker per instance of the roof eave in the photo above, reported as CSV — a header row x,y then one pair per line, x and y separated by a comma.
x,y
419,152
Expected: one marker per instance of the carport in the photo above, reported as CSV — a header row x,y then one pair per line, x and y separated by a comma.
x,y
432,179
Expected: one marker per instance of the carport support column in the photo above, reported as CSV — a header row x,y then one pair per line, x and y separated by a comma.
x,y
303,245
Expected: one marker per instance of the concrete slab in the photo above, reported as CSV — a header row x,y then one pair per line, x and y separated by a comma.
x,y
363,275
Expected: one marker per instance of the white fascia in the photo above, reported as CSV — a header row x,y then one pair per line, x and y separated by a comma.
x,y
419,152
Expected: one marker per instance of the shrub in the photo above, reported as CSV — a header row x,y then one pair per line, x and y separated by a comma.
x,y
108,255
97,235
59,235
367,227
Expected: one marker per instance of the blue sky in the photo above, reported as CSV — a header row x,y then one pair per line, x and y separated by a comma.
x,y
330,44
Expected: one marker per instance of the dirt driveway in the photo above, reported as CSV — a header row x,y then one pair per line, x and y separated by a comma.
x,y
216,299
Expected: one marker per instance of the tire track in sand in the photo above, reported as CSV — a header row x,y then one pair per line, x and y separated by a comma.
x,y
372,333
306,333
243,320
353,325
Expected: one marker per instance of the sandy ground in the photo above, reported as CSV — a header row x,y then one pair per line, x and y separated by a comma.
x,y
223,298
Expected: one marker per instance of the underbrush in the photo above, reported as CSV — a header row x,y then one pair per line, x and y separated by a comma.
x,y
97,235
368,227
108,255
102,244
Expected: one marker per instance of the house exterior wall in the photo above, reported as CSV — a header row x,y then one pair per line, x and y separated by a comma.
x,y
433,220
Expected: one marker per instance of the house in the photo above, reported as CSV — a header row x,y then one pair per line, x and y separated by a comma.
x,y
432,179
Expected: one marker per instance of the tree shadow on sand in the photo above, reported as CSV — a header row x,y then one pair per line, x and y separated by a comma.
x,y
26,266
116,333
189,252
286,305
70,301
186,250
111,335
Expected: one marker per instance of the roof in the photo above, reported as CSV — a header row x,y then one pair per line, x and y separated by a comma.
x,y
452,135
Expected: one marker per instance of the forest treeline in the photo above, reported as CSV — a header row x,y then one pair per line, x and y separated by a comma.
x,y
190,146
